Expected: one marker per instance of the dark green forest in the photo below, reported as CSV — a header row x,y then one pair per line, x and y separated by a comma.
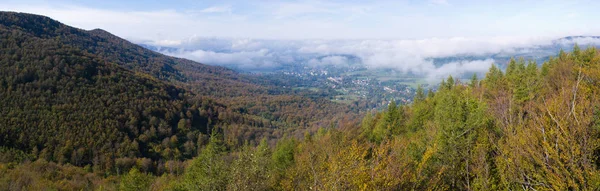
x,y
86,110
249,99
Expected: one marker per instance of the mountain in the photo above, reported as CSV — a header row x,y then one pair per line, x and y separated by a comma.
x,y
528,127
64,104
117,50
91,98
86,110
222,84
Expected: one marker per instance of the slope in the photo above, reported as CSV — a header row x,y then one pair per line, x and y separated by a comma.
x,y
63,104
250,97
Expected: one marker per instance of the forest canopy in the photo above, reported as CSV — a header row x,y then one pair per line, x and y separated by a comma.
x,y
76,115
528,127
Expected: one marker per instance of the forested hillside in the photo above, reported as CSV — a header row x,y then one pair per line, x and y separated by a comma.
x,y
89,101
252,100
65,105
528,127
85,110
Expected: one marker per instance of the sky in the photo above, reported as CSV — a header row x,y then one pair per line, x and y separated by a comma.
x,y
399,34
400,19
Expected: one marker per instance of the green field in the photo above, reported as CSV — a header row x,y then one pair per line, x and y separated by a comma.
x,y
346,99
384,76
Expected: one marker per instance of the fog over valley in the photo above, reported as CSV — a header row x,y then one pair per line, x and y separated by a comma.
x,y
260,95
434,58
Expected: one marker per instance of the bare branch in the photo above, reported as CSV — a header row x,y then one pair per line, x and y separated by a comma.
x,y
575,96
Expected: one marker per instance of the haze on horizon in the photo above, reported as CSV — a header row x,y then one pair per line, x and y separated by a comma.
x,y
402,35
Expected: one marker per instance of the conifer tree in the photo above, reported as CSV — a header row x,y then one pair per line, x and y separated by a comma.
x,y
474,81
208,171
419,94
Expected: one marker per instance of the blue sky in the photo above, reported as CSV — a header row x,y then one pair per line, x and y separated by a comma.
x,y
410,19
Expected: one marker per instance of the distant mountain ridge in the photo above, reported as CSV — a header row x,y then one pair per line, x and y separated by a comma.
x,y
576,37
538,53
158,48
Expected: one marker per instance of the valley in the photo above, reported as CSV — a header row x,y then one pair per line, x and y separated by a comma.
x,y
297,96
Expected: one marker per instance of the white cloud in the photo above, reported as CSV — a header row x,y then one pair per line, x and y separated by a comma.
x,y
283,10
404,56
321,19
572,15
217,9
414,55
439,2
459,68
134,25
328,60
167,43
232,39
581,41
248,60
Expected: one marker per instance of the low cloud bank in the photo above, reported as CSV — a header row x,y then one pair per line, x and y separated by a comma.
x,y
459,69
404,56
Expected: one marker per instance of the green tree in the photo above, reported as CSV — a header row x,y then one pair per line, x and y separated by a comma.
x,y
430,93
366,127
576,51
389,124
250,170
493,75
135,181
419,94
458,117
208,171
511,68
283,155
474,81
